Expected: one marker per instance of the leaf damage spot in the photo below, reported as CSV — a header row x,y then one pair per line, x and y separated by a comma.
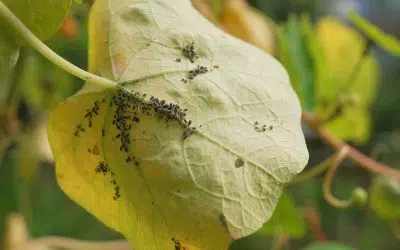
x,y
95,150
239,163
222,218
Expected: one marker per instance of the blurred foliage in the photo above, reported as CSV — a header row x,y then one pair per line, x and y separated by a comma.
x,y
328,246
388,42
286,220
337,73
32,14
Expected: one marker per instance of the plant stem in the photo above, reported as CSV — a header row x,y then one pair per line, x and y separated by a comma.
x,y
33,41
339,157
358,157
314,171
72,244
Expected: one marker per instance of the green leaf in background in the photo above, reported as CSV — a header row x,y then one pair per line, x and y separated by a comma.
x,y
43,83
42,17
387,42
293,54
328,246
315,53
385,198
286,220
344,59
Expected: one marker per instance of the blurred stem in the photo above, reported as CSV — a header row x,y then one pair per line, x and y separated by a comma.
x,y
216,9
355,155
349,83
329,197
351,80
23,32
314,171
72,244
278,242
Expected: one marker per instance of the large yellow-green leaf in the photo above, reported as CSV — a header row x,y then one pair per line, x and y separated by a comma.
x,y
387,42
343,48
42,17
195,171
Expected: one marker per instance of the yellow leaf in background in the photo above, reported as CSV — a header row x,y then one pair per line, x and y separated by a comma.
x,y
343,49
239,19
192,149
205,8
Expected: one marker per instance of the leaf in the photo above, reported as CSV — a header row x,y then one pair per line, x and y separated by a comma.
x,y
297,61
43,83
385,198
328,246
43,18
152,176
387,42
239,19
343,53
286,220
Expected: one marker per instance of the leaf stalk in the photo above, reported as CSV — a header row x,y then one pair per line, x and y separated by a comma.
x,y
24,33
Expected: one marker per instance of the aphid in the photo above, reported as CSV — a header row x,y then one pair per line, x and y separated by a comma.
x,y
103,133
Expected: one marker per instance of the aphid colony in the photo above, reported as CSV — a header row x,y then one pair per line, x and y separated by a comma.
x,y
177,244
190,53
128,107
102,168
262,128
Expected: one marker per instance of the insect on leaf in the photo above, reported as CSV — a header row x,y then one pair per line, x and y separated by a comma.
x,y
193,146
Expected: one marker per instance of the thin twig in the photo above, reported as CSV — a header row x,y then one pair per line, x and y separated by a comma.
x,y
355,155
329,197
314,171
73,244
313,220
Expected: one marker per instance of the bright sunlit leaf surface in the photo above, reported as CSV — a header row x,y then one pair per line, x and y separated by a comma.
x,y
193,147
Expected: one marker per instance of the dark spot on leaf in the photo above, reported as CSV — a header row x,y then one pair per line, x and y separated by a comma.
x,y
95,150
222,218
239,163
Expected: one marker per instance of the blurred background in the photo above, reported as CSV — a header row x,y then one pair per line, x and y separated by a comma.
x,y
28,188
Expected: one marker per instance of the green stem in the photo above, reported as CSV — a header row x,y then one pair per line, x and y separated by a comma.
x,y
314,171
33,41
329,197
